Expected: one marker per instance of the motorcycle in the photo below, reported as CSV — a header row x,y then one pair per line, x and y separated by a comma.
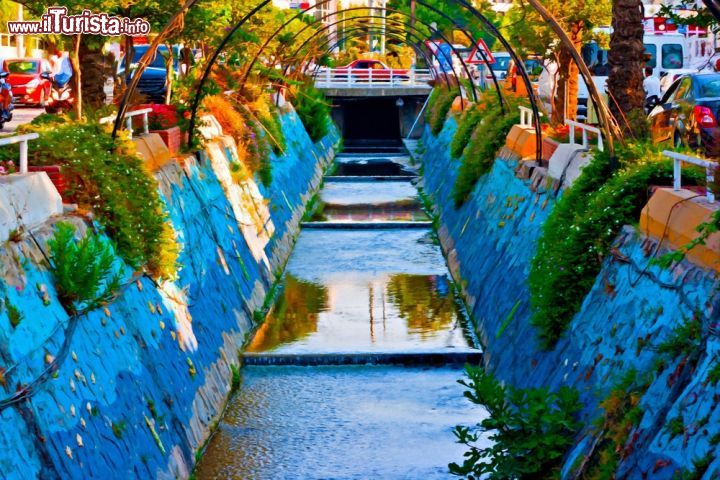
x,y
6,115
61,95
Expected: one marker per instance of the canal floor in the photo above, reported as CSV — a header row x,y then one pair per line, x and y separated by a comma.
x,y
351,291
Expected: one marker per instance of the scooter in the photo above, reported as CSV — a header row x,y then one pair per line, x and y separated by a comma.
x,y
6,115
61,96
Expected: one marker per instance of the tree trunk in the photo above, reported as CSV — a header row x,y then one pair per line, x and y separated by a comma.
x,y
627,59
565,102
95,69
77,73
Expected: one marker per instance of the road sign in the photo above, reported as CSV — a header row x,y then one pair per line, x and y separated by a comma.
x,y
475,58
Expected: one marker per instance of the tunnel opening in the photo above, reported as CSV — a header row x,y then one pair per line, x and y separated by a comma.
x,y
371,124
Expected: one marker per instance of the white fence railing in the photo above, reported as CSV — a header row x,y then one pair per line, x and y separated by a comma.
x,y
129,122
585,130
680,158
368,77
527,117
23,141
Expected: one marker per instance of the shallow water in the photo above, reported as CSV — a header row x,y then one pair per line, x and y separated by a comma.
x,y
353,291
340,423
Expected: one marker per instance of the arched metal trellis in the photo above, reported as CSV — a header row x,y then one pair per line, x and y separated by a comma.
x,y
494,31
484,21
410,25
398,23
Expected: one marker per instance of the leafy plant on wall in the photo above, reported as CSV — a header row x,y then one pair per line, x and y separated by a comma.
x,y
85,272
525,434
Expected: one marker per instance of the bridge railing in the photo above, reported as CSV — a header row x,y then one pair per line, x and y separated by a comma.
x,y
585,130
527,117
680,158
129,120
368,78
23,141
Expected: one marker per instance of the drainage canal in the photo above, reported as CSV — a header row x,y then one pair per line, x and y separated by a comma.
x,y
353,374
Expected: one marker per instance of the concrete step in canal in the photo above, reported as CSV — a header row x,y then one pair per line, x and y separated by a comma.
x,y
354,372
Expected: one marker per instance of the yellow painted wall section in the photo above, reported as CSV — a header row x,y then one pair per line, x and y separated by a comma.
x,y
665,217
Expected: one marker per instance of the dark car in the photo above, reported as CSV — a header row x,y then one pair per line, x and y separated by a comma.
x,y
688,112
154,77
29,87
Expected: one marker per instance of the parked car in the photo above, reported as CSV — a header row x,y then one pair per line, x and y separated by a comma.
x,y
29,87
154,77
360,70
688,112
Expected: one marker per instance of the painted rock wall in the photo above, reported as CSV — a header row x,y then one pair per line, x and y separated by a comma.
x,y
632,308
142,381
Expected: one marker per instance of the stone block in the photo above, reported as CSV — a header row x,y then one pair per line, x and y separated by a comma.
x,y
566,163
673,216
27,201
209,127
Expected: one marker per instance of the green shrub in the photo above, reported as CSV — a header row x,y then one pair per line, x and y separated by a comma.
x,y
314,112
116,186
14,314
84,271
480,153
530,429
439,104
683,340
469,120
581,228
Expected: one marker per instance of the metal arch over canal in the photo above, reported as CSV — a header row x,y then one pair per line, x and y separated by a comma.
x,y
176,21
382,30
409,25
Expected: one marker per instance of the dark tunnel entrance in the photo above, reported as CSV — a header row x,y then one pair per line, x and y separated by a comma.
x,y
370,121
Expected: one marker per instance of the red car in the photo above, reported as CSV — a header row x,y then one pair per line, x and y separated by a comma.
x,y
27,86
361,69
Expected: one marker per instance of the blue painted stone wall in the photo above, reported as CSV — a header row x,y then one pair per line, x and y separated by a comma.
x,y
143,380
632,308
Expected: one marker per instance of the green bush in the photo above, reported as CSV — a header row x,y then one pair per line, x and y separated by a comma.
x,y
439,104
468,121
480,153
116,186
314,112
84,271
581,228
529,429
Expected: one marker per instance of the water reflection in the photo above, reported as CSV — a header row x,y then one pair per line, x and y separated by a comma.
x,y
399,312
425,302
294,316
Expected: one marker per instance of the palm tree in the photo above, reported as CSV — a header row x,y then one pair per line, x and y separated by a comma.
x,y
627,59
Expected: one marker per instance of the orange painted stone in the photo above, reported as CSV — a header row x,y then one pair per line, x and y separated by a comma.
x,y
522,141
681,228
153,150
459,104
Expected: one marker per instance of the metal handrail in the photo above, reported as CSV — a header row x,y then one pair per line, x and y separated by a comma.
x,y
368,77
526,117
585,129
128,120
680,158
23,141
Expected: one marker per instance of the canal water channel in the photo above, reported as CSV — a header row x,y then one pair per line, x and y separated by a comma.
x,y
354,373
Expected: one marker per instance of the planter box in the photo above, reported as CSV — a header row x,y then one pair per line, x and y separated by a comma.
x,y
56,177
172,137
